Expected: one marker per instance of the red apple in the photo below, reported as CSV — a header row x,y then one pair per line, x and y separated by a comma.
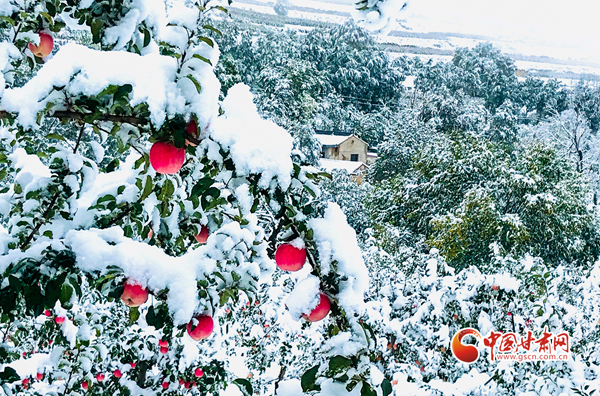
x,y
134,295
163,343
47,312
59,319
200,327
199,373
100,377
289,257
132,365
165,385
188,385
150,234
39,376
181,381
164,350
192,130
166,158
117,373
320,311
84,385
203,236
495,287
25,382
44,48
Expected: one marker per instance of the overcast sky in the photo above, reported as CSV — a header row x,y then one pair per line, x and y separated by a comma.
x,y
570,27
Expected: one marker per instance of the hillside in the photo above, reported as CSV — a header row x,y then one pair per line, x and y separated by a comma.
x,y
534,60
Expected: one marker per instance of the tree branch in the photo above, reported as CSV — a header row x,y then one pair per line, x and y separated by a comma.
x,y
79,139
73,115
42,221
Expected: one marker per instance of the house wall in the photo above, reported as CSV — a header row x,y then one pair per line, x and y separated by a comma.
x,y
352,146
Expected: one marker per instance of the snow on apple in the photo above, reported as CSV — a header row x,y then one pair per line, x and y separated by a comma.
x,y
200,327
290,258
44,47
134,295
320,311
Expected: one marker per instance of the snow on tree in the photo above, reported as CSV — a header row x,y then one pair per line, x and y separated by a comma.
x,y
379,15
154,272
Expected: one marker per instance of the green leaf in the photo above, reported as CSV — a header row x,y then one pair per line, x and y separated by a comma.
x,y
202,185
146,37
56,136
73,281
123,91
213,29
386,387
225,296
211,192
134,314
3,158
220,8
47,16
366,390
51,8
207,41
337,364
244,385
66,292
96,26
196,83
202,59
7,19
308,379
147,188
8,375
106,198
167,191
310,191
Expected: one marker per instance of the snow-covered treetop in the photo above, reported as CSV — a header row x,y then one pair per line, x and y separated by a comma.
x,y
379,15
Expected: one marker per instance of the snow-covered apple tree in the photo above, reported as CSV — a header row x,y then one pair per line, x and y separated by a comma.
x,y
143,218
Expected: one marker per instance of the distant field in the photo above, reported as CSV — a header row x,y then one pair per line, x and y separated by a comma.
x,y
304,15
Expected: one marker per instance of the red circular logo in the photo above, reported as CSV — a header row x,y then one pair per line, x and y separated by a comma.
x,y
465,353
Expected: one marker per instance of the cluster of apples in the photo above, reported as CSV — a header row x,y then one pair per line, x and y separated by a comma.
x,y
167,159
199,328
290,258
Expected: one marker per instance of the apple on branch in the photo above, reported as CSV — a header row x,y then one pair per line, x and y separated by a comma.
x,y
192,130
166,158
320,311
200,327
134,295
44,48
290,258
202,237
